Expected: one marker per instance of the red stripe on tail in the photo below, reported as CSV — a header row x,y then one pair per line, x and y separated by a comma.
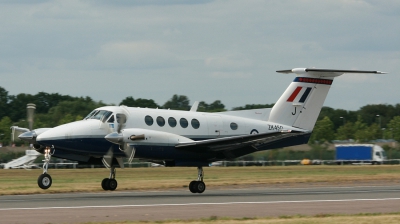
x,y
294,94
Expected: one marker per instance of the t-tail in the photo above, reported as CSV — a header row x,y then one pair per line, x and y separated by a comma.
x,y
301,103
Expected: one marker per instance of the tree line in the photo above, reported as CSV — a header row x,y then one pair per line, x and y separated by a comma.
x,y
52,109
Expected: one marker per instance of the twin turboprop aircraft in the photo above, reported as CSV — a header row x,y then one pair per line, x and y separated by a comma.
x,y
186,138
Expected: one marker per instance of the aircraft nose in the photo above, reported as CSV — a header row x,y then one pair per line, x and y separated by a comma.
x,y
68,135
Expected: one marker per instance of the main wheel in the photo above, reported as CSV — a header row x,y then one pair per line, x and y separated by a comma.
x,y
192,186
104,184
44,181
112,184
200,187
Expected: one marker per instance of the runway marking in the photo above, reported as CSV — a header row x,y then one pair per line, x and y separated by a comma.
x,y
197,204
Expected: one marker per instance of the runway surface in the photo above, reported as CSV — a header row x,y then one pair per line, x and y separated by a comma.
x,y
160,205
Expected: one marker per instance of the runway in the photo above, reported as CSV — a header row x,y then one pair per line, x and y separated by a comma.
x,y
181,204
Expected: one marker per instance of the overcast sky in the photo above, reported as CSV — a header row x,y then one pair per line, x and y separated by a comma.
x,y
207,50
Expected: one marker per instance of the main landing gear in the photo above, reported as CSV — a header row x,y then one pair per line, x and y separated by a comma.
x,y
198,186
44,180
110,184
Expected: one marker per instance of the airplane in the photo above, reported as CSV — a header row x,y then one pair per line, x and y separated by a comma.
x,y
109,134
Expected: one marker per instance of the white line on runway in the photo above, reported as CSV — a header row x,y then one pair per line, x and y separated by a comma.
x,y
196,204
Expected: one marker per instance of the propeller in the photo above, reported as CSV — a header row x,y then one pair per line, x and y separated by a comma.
x,y
118,138
26,134
29,134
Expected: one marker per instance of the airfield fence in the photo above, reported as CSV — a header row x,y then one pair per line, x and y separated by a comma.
x,y
74,165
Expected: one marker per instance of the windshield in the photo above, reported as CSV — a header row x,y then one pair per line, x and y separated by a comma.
x,y
102,115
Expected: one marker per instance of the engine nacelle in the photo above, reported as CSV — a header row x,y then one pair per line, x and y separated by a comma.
x,y
138,135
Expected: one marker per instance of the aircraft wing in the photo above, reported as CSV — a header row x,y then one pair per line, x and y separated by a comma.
x,y
236,142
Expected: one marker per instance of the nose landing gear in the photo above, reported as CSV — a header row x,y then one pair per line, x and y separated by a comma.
x,y
44,180
198,186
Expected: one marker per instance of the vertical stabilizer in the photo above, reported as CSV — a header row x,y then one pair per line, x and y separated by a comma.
x,y
301,103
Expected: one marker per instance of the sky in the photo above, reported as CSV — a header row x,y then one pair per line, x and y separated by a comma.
x,y
206,50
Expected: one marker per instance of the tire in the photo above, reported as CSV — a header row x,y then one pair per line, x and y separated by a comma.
x,y
45,181
192,186
112,184
200,187
104,184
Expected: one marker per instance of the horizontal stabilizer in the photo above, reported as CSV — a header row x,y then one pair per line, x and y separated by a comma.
x,y
325,72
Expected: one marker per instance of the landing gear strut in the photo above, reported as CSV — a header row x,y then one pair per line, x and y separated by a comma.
x,y
44,180
198,186
110,184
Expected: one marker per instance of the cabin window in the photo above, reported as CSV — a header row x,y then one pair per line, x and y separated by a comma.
x,y
160,121
183,122
195,123
172,122
234,126
149,120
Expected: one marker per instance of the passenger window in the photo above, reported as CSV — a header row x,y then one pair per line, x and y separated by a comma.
x,y
234,126
172,122
183,122
160,121
149,120
195,123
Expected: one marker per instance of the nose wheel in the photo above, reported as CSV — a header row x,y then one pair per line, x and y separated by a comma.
x,y
110,184
198,186
44,180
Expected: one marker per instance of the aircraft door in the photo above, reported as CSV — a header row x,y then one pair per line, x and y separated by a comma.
x,y
214,123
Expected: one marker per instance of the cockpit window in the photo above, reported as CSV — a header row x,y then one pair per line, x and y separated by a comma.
x,y
111,120
102,115
90,114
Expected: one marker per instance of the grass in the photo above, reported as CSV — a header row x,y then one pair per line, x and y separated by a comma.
x,y
389,218
88,180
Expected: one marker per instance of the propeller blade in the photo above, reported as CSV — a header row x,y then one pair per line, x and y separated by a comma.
x,y
30,108
107,158
121,120
129,152
16,131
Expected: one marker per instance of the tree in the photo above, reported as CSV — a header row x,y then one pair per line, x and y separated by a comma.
x,y
216,106
345,132
80,107
3,102
323,131
394,128
177,102
144,103
366,134
17,106
45,101
5,131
